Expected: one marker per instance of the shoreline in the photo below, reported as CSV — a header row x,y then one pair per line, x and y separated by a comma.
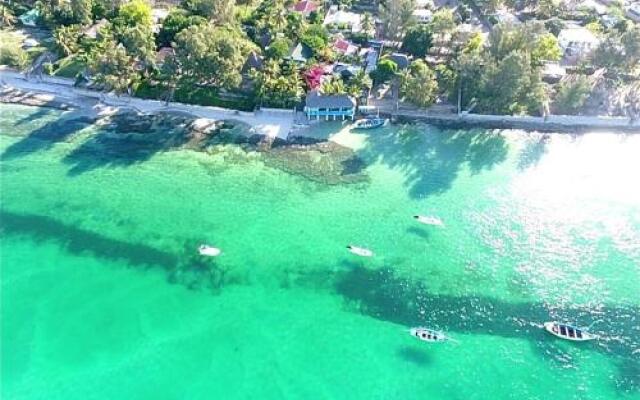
x,y
551,124
274,123
61,94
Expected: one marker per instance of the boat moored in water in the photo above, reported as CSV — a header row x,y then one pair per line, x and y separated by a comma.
x,y
370,123
428,220
209,251
360,251
428,335
568,332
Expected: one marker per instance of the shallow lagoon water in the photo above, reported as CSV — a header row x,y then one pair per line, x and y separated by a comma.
x,y
103,295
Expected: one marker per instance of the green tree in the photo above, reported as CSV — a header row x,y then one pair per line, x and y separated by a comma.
x,y
177,20
335,85
134,13
546,48
511,86
631,43
368,25
316,38
113,67
211,55
270,16
397,18
419,86
277,87
443,22
138,41
359,83
418,40
67,39
13,55
571,96
81,11
385,70
474,44
279,48
221,11
296,24
609,54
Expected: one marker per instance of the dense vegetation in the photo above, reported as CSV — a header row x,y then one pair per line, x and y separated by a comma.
x,y
242,53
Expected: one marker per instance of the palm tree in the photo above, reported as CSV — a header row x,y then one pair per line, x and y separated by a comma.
x,y
7,19
368,25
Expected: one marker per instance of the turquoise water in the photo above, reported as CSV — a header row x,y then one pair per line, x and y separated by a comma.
x,y
103,296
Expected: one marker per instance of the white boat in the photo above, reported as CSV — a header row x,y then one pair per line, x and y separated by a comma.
x,y
360,251
428,335
370,123
209,251
568,332
428,220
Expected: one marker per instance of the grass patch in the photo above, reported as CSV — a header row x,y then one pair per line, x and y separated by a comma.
x,y
195,95
69,67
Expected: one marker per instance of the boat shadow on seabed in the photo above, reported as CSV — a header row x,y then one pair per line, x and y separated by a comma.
x,y
381,294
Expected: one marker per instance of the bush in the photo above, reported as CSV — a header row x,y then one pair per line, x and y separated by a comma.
x,y
279,48
69,67
13,55
209,97
572,96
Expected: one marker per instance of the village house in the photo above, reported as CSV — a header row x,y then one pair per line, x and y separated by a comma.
x,y
305,7
345,47
335,106
300,54
577,41
422,15
400,59
338,17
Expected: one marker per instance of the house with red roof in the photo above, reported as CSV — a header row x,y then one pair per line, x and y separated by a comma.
x,y
305,7
344,47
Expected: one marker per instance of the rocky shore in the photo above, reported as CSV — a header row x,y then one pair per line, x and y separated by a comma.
x,y
318,160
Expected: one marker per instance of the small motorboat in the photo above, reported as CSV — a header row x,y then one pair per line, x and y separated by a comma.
x,y
568,332
209,251
360,251
428,335
370,123
428,220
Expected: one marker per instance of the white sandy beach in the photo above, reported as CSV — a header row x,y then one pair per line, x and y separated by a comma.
x,y
271,123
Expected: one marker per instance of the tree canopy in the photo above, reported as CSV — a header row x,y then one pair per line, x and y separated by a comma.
x,y
418,40
397,17
419,85
211,55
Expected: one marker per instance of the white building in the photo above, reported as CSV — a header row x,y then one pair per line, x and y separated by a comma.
x,y
341,17
577,40
633,11
423,16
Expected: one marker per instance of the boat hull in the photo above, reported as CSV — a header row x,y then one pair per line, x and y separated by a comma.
x,y
568,332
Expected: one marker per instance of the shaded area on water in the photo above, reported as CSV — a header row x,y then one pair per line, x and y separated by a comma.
x,y
432,162
378,293
186,268
382,294
125,139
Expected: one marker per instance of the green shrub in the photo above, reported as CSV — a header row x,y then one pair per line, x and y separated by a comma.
x,y
13,55
199,95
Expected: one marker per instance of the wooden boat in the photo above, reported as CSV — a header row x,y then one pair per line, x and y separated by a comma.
x,y
370,123
428,335
568,332
428,220
209,251
360,251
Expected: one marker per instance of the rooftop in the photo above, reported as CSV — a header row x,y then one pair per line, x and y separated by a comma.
x,y
305,6
317,100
